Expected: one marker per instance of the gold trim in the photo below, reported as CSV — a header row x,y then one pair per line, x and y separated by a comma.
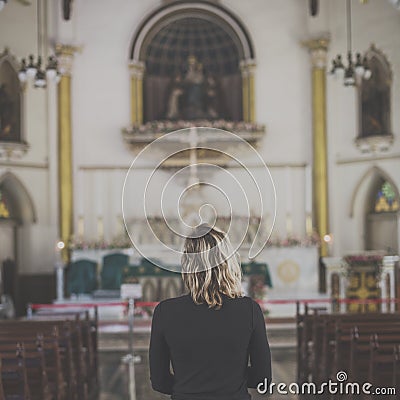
x,y
245,96
137,72
126,167
67,49
65,190
134,118
320,178
139,99
24,165
316,44
252,111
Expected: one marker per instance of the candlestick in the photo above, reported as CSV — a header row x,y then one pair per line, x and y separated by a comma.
x,y
309,228
289,224
100,228
81,227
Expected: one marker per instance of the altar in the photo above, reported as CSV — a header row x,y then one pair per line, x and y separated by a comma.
x,y
100,273
369,285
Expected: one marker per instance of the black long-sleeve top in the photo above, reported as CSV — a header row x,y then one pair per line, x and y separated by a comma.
x,y
209,349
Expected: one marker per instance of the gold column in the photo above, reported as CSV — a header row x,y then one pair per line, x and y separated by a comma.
x,y
245,97
137,72
252,103
133,100
318,49
248,101
65,55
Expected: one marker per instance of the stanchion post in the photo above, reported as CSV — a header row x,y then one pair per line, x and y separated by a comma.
x,y
130,358
131,310
60,280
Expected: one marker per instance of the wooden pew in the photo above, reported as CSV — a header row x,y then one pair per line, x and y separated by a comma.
x,y
347,339
57,349
34,366
14,382
304,324
76,339
325,329
382,359
89,337
327,349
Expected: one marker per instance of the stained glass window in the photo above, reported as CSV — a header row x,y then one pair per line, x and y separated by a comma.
x,y
4,211
386,200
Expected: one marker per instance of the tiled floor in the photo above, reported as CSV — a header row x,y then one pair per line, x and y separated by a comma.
x,y
114,374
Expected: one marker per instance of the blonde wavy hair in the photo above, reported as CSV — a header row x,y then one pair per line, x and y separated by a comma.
x,y
210,267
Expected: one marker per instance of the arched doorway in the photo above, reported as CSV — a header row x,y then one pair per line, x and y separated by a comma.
x,y
16,210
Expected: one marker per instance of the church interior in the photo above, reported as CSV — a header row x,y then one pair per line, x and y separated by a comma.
x,y
123,123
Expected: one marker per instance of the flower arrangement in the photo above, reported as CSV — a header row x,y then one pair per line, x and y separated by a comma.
x,y
372,261
295,241
170,126
101,244
364,259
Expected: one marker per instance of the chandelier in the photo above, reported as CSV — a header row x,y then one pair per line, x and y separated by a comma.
x,y
34,69
357,68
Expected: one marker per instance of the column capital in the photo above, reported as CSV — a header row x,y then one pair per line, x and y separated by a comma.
x,y
318,49
137,68
247,66
65,55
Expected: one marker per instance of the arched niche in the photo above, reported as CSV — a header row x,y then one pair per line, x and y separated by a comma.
x,y
191,61
378,225
10,100
18,200
375,97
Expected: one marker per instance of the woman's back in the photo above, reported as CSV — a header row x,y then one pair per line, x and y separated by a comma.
x,y
209,349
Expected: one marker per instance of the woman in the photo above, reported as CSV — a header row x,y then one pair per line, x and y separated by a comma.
x,y
212,333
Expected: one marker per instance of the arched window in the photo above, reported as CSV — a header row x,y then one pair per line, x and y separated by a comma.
x,y
382,216
385,199
375,97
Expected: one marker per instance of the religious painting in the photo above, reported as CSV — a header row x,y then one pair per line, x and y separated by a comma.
x,y
10,102
375,99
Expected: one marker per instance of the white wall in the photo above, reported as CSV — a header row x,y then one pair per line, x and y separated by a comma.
x,y
18,32
379,23
101,108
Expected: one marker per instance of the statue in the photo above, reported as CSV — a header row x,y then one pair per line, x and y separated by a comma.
x,y
212,104
195,96
194,90
173,111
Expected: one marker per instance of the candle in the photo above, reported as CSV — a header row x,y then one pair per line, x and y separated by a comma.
x,y
100,228
289,224
81,227
309,228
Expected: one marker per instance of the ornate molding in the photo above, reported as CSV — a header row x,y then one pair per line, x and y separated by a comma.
x,y
318,49
65,56
13,150
137,69
374,144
